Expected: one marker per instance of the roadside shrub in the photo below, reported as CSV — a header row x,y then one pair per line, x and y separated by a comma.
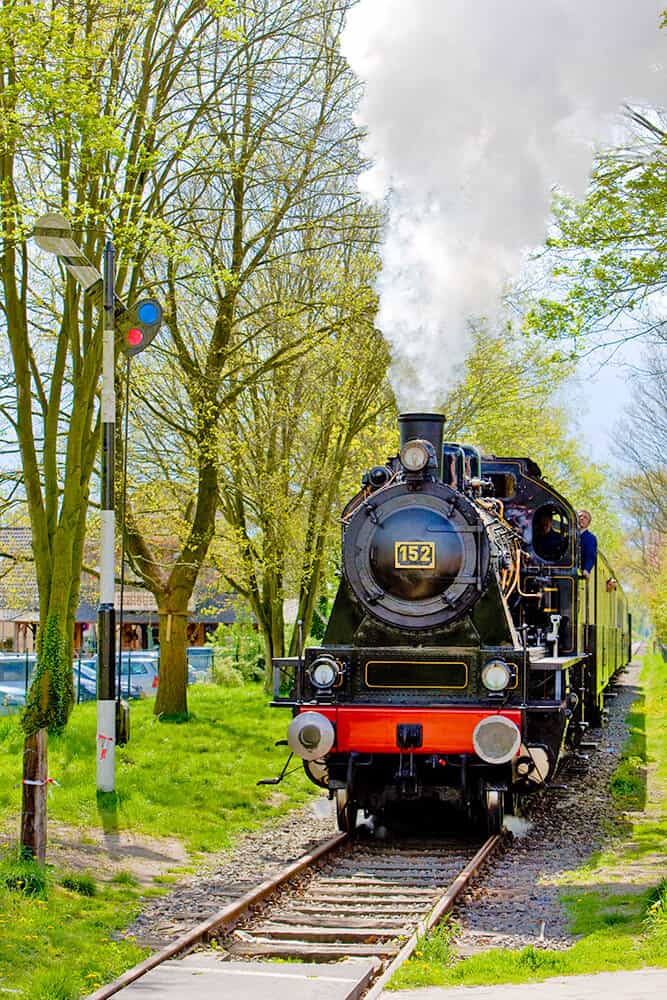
x,y
538,960
19,873
83,884
627,783
124,878
655,914
434,946
237,657
225,673
56,983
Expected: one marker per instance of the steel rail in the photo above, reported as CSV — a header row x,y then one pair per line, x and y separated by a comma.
x,y
218,920
443,906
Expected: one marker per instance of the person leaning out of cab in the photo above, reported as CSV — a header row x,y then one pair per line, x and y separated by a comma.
x,y
589,543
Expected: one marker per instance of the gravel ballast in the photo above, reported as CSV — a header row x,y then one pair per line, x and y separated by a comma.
x,y
257,857
513,903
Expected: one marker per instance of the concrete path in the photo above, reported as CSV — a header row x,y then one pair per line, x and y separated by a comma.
x,y
205,977
644,984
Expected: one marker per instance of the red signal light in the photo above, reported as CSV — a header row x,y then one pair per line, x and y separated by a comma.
x,y
134,336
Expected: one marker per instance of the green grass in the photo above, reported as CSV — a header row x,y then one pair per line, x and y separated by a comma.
x,y
622,926
193,781
84,884
56,946
628,783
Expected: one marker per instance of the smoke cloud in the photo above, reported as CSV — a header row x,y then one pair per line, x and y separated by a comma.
x,y
475,109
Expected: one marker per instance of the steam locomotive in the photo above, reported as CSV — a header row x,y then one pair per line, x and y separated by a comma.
x,y
466,652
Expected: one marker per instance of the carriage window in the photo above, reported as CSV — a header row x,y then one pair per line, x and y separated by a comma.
x,y
551,532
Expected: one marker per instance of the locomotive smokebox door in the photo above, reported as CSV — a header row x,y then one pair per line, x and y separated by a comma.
x,y
409,736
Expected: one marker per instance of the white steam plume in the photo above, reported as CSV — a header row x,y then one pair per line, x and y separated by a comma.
x,y
474,110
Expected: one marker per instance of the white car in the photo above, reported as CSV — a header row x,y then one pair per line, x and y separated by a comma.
x,y
138,669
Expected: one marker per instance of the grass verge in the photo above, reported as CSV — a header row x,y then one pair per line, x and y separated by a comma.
x,y
54,942
193,781
619,929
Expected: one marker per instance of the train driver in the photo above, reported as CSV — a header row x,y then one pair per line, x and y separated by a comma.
x,y
548,544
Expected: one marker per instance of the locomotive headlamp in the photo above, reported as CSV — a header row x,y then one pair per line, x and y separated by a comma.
x,y
324,672
496,739
414,456
496,675
310,735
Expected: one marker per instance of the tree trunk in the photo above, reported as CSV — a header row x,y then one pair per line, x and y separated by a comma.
x,y
172,697
274,640
33,807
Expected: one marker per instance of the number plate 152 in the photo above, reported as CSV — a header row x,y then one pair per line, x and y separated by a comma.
x,y
414,555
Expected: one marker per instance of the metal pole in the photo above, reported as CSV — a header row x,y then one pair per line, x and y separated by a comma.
x,y
106,705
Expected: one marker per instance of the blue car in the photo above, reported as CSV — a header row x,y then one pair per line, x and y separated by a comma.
x,y
200,662
12,699
85,682
15,666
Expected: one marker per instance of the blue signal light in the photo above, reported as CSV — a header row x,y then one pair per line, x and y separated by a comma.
x,y
148,312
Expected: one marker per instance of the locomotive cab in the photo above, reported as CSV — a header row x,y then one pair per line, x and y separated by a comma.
x,y
450,666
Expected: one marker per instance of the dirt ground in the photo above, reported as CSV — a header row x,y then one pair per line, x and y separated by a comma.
x,y
105,855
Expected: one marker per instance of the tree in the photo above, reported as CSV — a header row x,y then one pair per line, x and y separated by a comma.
x,y
643,485
92,101
274,198
606,265
508,404
289,448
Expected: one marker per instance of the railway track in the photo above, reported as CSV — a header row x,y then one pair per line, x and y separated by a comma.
x,y
349,900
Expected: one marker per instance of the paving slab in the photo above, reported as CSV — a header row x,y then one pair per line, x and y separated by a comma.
x,y
642,984
207,977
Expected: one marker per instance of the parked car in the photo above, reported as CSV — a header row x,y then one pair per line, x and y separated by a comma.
x,y
138,669
85,682
14,666
200,662
11,699
85,689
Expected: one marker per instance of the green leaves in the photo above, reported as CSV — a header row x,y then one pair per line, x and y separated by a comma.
x,y
608,259
50,698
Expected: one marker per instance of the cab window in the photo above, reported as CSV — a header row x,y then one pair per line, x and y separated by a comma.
x,y
551,532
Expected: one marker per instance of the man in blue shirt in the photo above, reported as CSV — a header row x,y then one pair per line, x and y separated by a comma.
x,y
589,543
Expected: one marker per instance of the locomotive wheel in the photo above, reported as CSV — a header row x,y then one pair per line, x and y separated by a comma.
x,y
317,772
495,811
346,811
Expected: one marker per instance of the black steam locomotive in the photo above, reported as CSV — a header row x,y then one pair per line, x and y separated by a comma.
x,y
465,651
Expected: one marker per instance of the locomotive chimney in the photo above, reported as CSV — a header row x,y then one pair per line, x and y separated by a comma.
x,y
427,427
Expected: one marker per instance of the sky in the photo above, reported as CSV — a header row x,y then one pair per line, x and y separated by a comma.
x,y
474,111
600,392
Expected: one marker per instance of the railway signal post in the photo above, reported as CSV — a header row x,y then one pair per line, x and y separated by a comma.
x,y
138,327
106,616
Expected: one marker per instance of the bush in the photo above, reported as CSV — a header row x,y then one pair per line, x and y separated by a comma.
x,y
59,983
237,657
83,884
125,878
655,914
19,873
224,672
